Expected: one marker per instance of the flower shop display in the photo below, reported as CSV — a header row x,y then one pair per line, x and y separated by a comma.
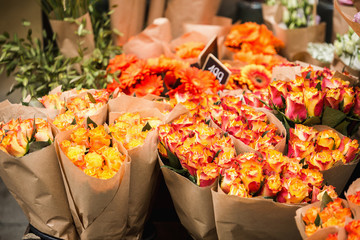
x,y
30,170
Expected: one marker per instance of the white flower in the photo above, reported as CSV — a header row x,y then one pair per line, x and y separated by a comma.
x,y
338,47
349,46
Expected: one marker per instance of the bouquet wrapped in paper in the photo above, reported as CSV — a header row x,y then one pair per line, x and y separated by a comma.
x,y
30,170
353,197
97,176
133,125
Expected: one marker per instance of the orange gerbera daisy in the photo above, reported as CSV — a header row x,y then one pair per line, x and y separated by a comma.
x,y
152,84
196,81
120,62
189,49
259,76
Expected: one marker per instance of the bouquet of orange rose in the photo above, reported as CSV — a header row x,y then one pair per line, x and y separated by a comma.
x,y
251,129
192,154
93,168
30,170
133,126
315,97
326,150
353,197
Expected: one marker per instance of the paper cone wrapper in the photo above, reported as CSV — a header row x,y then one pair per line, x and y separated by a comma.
x,y
144,167
99,207
253,218
339,174
338,65
193,204
152,42
36,183
349,18
339,23
320,234
67,39
127,18
190,11
156,10
353,188
125,103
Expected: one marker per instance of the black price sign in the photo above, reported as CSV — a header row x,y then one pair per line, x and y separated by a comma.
x,y
219,70
211,47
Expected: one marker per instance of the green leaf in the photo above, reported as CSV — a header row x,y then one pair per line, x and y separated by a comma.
x,y
217,103
147,127
312,121
217,153
90,121
35,146
91,97
174,161
332,117
26,23
318,86
73,122
264,134
325,200
207,122
342,127
318,222
34,102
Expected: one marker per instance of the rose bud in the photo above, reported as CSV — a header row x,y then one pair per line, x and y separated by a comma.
x,y
294,190
43,131
334,83
274,161
278,89
246,136
225,156
310,215
349,99
296,85
251,176
353,229
263,143
207,174
252,100
330,190
295,107
242,159
52,101
231,103
300,149
338,156
314,101
327,140
333,97
15,143
312,177
271,186
292,168
250,114
349,148
356,109
304,133
238,189
322,160
230,177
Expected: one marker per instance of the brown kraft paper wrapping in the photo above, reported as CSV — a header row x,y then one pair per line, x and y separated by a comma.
x,y
253,218
36,183
320,234
193,204
99,207
339,23
339,174
69,42
338,65
190,11
348,18
144,166
353,188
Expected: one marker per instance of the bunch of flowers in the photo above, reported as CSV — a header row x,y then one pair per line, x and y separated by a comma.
x,y
321,149
354,198
298,13
195,150
245,123
251,77
130,129
189,50
91,151
78,108
274,176
254,44
21,136
347,48
315,97
333,214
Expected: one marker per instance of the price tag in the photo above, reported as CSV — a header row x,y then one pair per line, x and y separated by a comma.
x,y
211,47
219,70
